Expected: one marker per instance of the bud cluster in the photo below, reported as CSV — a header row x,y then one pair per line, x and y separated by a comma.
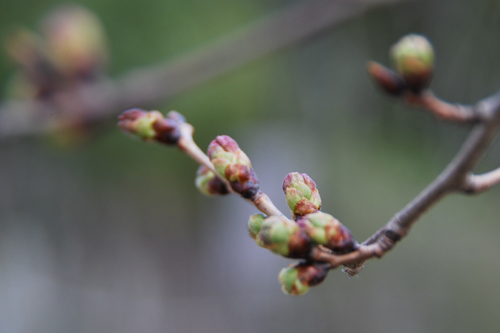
x,y
152,125
233,164
413,58
298,278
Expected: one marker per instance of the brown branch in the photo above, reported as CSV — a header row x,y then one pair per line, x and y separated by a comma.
x,y
456,177
442,109
150,86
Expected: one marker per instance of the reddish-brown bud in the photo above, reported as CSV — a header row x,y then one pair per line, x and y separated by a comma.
x,y
326,230
284,237
298,278
302,196
390,81
234,165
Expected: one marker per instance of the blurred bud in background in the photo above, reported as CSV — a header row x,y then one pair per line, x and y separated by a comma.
x,y
413,58
76,42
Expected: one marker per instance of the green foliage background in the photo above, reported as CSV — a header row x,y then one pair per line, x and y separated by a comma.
x,y
113,236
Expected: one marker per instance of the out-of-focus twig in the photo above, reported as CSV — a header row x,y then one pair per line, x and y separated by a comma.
x,y
150,86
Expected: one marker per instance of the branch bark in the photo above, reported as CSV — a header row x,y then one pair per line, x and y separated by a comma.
x,y
149,86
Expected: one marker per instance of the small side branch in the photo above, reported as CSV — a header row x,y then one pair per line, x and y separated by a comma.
x,y
479,183
442,109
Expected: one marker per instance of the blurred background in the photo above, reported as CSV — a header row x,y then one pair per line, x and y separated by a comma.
x,y
112,236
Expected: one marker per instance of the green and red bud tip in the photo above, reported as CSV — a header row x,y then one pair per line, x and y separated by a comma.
x,y
151,126
301,193
283,236
324,229
234,165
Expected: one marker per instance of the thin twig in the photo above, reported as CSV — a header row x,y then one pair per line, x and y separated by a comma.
x,y
442,109
150,86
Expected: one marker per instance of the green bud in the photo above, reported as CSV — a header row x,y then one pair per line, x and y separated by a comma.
x,y
283,236
152,126
301,194
255,224
298,278
324,229
413,57
234,165
208,183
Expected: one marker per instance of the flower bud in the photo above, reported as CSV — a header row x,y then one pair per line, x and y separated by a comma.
x,y
324,229
298,278
152,126
284,237
234,165
75,41
413,58
255,224
391,82
301,194
208,183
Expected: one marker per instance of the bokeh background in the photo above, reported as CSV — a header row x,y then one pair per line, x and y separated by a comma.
x,y
112,235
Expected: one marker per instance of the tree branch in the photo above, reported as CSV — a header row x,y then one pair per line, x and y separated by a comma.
x,y
456,177
150,86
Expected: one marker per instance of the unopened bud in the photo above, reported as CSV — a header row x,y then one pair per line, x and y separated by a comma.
x,y
391,82
284,237
413,58
298,278
152,126
301,194
76,41
208,183
326,230
255,224
234,165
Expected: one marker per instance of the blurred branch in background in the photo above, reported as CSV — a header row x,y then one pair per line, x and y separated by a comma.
x,y
71,106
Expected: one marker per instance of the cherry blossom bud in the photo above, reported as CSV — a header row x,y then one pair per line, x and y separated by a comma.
x,y
301,194
324,229
413,58
75,41
152,126
284,237
298,278
255,224
234,165
391,82
208,183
